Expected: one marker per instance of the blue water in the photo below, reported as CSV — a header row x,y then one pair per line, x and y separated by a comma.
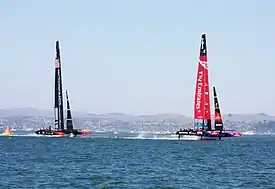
x,y
34,162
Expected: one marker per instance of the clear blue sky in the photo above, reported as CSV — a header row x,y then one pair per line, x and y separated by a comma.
x,y
138,57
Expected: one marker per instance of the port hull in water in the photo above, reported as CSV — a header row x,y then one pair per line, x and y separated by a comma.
x,y
202,135
195,137
48,132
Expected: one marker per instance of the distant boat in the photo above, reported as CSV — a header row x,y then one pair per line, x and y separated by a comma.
x,y
8,131
59,129
202,114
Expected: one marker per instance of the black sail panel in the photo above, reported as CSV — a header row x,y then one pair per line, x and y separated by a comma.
x,y
69,115
56,87
207,124
59,94
218,116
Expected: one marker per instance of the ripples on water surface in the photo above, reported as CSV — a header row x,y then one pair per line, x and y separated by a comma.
x,y
36,162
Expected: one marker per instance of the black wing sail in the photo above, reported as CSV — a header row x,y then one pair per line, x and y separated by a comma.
x,y
58,105
70,126
218,116
56,87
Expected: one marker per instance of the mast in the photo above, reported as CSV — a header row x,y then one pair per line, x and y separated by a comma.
x,y
59,114
69,115
202,119
218,116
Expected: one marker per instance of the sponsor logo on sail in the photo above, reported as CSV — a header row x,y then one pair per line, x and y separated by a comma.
x,y
57,64
59,90
199,91
204,64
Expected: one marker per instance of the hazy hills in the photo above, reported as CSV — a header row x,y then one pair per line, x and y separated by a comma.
x,y
179,118
33,118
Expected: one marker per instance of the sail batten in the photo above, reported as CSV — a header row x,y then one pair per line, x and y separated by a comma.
x,y
202,114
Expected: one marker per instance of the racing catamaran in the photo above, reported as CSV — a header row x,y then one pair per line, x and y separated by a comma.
x,y
59,129
202,114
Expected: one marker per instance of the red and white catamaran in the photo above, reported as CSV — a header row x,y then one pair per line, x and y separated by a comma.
x,y
202,114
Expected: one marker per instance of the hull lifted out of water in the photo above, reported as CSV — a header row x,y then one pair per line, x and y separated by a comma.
x,y
60,129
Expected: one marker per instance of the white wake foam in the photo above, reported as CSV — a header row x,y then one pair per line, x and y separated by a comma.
x,y
146,136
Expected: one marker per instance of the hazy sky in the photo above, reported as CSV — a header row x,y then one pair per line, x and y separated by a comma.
x,y
140,56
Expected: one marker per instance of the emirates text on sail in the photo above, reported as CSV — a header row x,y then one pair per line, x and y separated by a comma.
x,y
199,92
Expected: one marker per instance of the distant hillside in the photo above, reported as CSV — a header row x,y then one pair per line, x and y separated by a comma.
x,y
177,118
32,112
32,118
169,117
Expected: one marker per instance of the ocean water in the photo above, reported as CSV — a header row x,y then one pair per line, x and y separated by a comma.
x,y
118,162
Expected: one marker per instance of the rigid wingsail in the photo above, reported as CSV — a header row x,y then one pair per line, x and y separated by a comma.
x,y
59,129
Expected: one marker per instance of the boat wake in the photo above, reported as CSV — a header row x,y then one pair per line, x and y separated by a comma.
x,y
28,135
146,136
14,135
154,138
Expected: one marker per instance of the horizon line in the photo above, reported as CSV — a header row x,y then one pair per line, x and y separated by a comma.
x,y
140,114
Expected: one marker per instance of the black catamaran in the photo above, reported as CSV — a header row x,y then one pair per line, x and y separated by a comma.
x,y
58,106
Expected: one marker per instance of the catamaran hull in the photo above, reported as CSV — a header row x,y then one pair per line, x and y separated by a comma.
x,y
65,133
205,135
190,137
196,137
85,132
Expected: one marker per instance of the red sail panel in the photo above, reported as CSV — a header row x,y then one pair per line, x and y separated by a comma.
x,y
199,97
202,114
206,96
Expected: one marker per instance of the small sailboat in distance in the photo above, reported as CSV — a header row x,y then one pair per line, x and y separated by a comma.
x,y
8,131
